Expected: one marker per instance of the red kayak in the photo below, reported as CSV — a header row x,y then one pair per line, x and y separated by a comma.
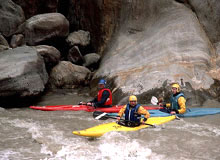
x,y
113,109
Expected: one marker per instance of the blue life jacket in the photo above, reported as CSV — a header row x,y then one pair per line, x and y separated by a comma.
x,y
174,101
131,113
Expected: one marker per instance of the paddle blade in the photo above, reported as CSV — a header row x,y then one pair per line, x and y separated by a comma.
x,y
100,115
154,100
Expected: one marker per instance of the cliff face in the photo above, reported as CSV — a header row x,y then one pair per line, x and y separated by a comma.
x,y
156,43
208,13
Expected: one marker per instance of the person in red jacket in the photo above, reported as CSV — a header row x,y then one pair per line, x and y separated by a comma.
x,y
104,97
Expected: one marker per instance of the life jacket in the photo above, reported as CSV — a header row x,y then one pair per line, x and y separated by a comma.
x,y
109,100
174,101
131,113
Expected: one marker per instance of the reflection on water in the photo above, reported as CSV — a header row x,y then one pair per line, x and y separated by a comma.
x,y
33,134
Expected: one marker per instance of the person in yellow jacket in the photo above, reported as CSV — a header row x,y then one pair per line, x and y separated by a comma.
x,y
177,103
133,112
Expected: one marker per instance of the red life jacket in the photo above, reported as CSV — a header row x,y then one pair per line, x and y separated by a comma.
x,y
109,100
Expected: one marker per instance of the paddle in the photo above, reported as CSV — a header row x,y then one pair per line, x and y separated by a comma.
x,y
155,101
104,116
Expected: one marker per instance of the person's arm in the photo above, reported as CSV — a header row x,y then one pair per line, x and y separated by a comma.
x,y
144,112
105,96
182,104
92,102
121,112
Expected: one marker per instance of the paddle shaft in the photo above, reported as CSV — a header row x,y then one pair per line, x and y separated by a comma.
x,y
103,116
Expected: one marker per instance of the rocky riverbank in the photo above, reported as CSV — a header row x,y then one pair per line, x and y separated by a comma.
x,y
139,47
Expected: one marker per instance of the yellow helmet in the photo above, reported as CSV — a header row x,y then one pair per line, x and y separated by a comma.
x,y
132,98
177,86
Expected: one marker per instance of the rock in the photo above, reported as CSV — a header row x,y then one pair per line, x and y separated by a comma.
x,y
22,72
45,26
67,75
11,16
217,45
215,72
2,47
78,38
50,54
208,13
164,43
75,56
92,60
3,41
17,40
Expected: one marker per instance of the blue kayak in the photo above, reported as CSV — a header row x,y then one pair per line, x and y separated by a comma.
x,y
190,112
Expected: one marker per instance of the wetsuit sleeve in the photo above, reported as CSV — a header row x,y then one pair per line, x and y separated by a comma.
x,y
105,96
144,112
182,104
122,111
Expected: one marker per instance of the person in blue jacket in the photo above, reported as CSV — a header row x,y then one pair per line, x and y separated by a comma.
x,y
133,112
177,103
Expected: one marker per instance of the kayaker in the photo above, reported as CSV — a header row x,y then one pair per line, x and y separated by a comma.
x,y
133,112
177,103
104,97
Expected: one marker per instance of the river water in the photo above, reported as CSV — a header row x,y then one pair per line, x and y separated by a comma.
x,y
31,134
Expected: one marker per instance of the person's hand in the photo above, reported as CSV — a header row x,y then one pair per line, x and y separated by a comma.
x,y
118,119
160,104
172,112
82,103
143,122
89,104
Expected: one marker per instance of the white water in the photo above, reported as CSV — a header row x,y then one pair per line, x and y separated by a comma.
x,y
31,134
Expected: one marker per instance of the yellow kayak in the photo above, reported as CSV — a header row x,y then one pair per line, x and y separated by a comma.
x,y
100,130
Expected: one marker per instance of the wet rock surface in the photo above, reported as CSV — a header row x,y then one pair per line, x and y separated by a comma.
x,y
23,72
139,46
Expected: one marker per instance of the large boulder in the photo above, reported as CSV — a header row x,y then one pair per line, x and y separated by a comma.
x,y
11,16
50,54
22,72
75,56
163,44
43,27
92,61
68,75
